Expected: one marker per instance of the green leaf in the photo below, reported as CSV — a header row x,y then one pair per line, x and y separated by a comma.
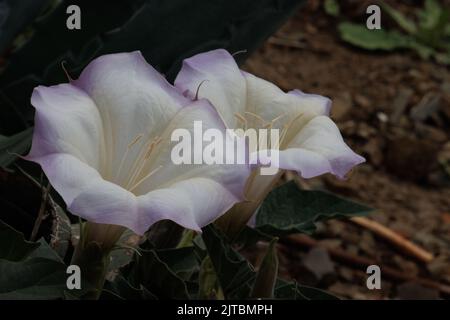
x,y
432,25
406,24
358,35
424,51
293,291
13,145
13,246
121,289
182,261
151,26
430,16
30,270
152,273
287,209
45,251
35,278
331,7
123,252
234,272
250,236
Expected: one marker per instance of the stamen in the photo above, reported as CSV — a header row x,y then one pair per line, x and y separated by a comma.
x,y
122,161
152,146
242,119
138,137
144,178
142,161
278,118
288,125
256,116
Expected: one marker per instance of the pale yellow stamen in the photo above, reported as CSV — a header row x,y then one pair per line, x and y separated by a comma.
x,y
137,184
125,155
242,119
263,122
142,160
288,126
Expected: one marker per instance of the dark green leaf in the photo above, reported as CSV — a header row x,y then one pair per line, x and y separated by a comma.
x,y
234,272
40,274
293,291
121,289
35,278
14,145
250,236
151,272
182,261
13,246
287,209
45,251
152,26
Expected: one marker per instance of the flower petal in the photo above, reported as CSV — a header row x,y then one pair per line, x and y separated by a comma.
x,y
104,202
215,76
166,172
67,174
317,149
192,203
269,102
134,101
66,121
190,194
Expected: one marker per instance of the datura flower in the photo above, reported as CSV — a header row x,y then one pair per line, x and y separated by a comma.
x,y
310,143
104,142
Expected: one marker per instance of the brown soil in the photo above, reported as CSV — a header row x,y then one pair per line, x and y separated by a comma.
x,y
392,108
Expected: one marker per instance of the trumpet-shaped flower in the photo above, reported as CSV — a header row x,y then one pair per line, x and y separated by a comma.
x,y
104,142
310,143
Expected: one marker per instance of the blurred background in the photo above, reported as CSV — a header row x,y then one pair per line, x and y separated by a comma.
x,y
391,100
392,107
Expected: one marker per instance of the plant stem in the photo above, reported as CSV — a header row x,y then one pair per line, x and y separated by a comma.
x,y
92,254
41,214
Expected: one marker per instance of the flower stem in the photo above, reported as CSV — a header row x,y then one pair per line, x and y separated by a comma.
x,y
92,254
93,263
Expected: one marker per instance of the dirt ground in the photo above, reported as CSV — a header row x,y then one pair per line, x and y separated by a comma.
x,y
394,109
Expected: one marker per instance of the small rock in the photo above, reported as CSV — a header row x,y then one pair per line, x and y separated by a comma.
x,y
318,262
409,157
382,117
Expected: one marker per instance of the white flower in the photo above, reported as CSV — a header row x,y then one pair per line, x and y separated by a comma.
x,y
310,143
104,143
